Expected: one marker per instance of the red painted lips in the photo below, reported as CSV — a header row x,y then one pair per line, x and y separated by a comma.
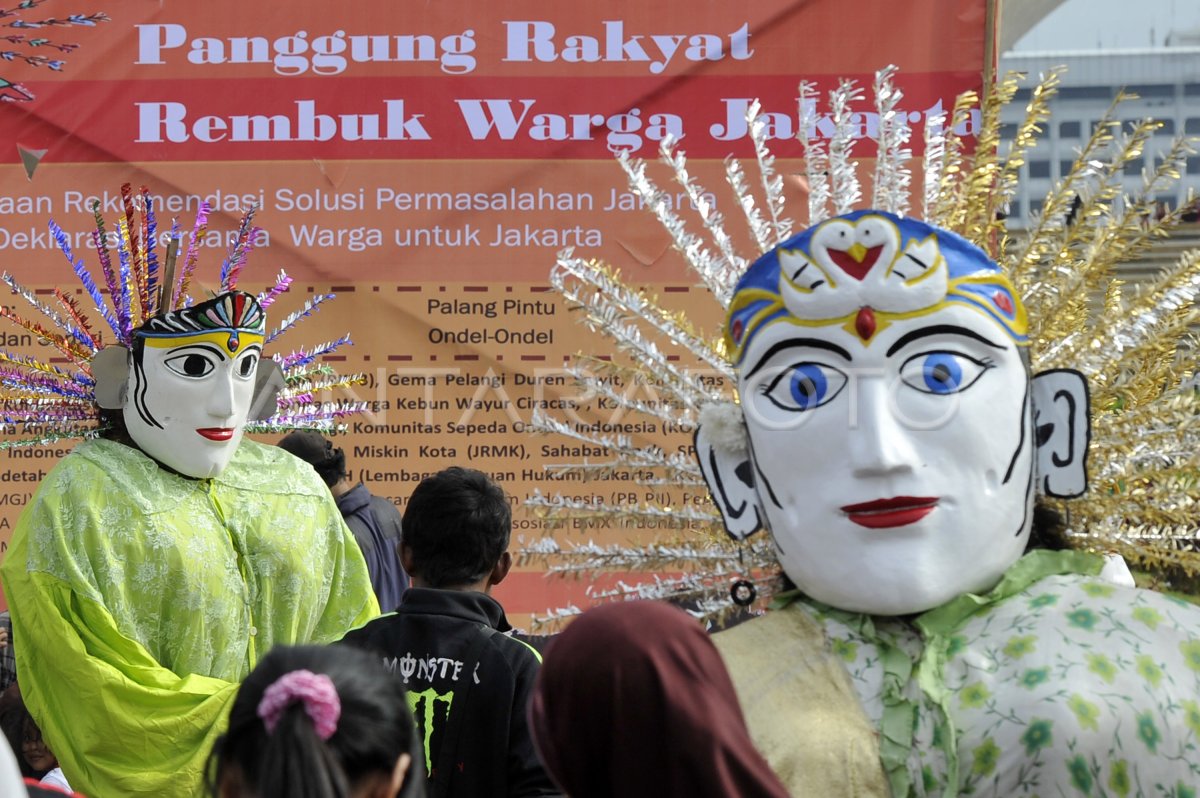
x,y
888,513
216,433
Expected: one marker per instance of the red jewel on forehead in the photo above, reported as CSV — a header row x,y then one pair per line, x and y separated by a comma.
x,y
738,329
234,343
864,323
1003,302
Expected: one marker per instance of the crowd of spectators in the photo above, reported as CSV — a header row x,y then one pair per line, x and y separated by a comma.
x,y
439,698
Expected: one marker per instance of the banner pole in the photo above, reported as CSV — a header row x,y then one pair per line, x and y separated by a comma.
x,y
991,27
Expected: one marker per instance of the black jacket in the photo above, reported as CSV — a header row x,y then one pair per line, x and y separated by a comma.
x,y
469,685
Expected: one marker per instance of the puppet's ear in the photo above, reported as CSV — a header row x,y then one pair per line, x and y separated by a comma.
x,y
1061,416
268,382
110,369
723,451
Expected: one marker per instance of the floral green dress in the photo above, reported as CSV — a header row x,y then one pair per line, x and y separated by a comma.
x,y
1056,683
141,598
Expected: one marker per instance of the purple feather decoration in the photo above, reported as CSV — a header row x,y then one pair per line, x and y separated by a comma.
x,y
282,283
85,276
309,308
99,240
193,252
235,271
236,257
302,358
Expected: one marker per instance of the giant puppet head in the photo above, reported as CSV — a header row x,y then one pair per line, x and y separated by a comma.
x,y
186,376
879,402
895,438
191,380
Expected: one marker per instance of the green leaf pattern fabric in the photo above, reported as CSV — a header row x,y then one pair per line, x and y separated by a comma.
x,y
1066,686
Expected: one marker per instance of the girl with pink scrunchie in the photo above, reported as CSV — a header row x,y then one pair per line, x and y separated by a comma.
x,y
318,722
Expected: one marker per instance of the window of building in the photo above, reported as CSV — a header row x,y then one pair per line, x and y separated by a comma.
x,y
1153,90
1014,209
1035,206
1193,165
1168,127
1085,92
1135,166
1064,168
1191,125
1039,168
1191,89
1068,130
1008,131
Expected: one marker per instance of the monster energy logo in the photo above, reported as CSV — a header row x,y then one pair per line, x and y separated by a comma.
x,y
426,707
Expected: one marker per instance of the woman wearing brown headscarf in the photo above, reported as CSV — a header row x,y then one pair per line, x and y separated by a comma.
x,y
633,700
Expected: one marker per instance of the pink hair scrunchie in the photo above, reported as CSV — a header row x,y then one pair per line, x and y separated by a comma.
x,y
315,690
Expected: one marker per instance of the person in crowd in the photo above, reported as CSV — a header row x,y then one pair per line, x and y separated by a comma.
x,y
158,562
12,723
469,682
375,521
633,700
318,722
8,660
13,785
39,757
37,762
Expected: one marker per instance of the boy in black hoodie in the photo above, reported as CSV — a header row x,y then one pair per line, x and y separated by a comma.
x,y
469,682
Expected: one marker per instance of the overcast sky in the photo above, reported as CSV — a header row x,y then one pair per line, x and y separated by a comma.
x,y
1107,24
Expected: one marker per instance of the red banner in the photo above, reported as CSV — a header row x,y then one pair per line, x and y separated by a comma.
x,y
427,161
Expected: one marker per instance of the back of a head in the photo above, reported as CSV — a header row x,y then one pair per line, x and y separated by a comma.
x,y
314,744
634,700
457,525
318,451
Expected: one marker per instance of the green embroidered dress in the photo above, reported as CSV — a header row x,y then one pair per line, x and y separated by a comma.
x,y
141,598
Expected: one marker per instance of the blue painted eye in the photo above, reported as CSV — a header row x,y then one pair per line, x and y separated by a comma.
x,y
808,386
941,373
805,386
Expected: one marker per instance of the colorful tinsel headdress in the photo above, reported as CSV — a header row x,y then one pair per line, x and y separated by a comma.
x,y
146,293
1135,350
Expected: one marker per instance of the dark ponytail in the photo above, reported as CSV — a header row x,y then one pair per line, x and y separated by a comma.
x,y
297,762
294,746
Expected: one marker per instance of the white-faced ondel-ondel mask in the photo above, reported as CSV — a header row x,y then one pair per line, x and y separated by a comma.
x,y
895,438
191,381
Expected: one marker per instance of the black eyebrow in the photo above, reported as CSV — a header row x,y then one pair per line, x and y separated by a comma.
x,y
209,347
815,343
938,329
